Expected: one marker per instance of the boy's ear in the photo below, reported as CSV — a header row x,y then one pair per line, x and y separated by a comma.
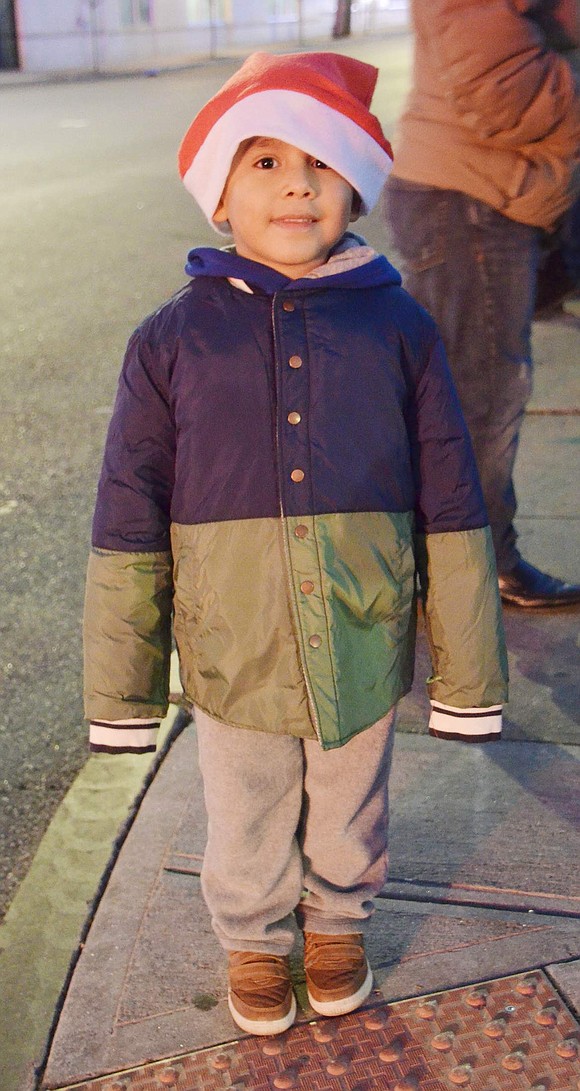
x,y
220,215
356,207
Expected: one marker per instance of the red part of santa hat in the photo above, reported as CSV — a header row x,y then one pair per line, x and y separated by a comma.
x,y
318,102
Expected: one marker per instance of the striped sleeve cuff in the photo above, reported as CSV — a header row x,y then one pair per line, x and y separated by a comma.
x,y
123,736
466,724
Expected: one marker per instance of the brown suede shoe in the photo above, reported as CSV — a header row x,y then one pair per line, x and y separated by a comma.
x,y
338,976
260,996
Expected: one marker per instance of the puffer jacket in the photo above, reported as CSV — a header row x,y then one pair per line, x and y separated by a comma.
x,y
282,456
493,112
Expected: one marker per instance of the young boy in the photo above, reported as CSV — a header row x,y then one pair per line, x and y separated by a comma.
x,y
286,452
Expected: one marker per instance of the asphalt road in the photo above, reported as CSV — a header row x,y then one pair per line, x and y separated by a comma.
x,y
95,227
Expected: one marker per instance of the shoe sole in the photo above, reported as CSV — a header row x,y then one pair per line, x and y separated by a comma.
x,y
537,604
263,1026
346,1004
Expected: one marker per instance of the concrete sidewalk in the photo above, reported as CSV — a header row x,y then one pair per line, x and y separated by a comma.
x,y
480,888
476,938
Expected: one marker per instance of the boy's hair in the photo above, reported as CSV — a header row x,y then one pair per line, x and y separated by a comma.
x,y
319,102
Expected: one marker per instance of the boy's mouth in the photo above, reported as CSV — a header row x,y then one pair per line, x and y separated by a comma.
x,y
294,221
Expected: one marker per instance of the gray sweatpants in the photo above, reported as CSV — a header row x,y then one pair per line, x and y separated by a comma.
x,y
293,830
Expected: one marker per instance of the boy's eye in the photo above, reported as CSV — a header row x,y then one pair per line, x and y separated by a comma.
x,y
266,162
320,165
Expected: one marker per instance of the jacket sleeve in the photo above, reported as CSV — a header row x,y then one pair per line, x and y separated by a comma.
x,y
456,566
128,603
501,78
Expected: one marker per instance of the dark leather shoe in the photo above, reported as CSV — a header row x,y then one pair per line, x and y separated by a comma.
x,y
525,585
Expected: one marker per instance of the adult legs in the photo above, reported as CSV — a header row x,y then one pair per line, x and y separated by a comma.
x,y
474,270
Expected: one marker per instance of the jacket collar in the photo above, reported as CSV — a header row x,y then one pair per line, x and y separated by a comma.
x,y
351,264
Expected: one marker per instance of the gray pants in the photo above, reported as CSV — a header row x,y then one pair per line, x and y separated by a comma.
x,y
293,831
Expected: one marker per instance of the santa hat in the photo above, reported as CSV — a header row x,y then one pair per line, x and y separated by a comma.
x,y
318,102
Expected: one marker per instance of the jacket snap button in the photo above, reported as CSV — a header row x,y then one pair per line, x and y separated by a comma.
x,y
315,640
301,531
294,418
287,305
307,587
295,361
297,475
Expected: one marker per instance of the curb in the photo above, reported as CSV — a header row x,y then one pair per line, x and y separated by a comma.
x,y
48,920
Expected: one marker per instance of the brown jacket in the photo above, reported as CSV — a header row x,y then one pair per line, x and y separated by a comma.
x,y
493,111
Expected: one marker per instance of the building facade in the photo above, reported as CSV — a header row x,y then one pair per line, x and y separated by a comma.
x,y
104,35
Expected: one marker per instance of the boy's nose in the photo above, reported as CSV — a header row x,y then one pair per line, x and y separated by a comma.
x,y
299,183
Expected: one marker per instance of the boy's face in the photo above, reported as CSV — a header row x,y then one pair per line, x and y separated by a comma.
x,y
286,209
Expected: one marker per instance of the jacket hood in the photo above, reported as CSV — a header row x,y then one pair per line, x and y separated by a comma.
x,y
351,264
